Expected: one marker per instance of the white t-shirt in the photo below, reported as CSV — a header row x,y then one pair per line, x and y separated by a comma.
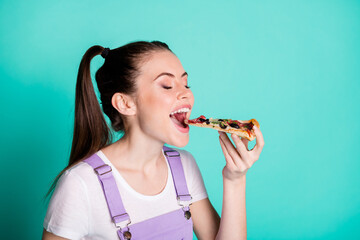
x,y
78,209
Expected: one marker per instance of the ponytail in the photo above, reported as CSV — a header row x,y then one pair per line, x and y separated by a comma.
x,y
91,132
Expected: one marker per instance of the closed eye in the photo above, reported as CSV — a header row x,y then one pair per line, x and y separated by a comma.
x,y
169,87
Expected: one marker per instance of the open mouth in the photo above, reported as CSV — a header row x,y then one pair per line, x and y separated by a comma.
x,y
178,118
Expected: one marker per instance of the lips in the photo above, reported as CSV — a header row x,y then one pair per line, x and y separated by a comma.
x,y
182,127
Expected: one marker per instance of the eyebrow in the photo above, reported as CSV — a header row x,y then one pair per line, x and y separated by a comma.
x,y
170,75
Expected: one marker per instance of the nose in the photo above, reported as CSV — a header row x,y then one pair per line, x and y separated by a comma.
x,y
183,92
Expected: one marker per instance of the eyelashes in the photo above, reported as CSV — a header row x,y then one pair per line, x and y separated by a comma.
x,y
169,87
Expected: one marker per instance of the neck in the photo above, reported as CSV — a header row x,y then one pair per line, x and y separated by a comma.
x,y
136,152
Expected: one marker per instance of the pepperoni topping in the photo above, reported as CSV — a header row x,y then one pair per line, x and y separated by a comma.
x,y
200,119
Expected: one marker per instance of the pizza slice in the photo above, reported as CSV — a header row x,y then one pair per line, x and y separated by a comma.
x,y
243,129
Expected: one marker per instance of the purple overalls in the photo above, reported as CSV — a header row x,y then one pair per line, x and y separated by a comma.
x,y
174,225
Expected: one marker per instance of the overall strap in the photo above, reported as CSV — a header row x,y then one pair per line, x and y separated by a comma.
x,y
111,191
177,171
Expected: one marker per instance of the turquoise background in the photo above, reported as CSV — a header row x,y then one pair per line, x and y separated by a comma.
x,y
293,65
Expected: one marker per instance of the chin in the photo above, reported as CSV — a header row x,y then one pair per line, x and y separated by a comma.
x,y
180,142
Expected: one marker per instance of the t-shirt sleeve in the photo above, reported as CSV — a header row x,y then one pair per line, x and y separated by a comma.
x,y
193,176
68,211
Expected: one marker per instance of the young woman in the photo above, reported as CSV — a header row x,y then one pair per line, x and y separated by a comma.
x,y
144,92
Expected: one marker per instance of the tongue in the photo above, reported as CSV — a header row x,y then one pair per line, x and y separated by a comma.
x,y
178,119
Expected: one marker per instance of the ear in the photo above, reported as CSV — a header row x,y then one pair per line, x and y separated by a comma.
x,y
125,104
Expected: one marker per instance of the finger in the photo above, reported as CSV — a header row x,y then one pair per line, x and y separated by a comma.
x,y
229,146
229,160
259,141
241,161
237,162
246,142
240,146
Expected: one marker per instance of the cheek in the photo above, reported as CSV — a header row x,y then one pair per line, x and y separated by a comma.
x,y
155,102
154,107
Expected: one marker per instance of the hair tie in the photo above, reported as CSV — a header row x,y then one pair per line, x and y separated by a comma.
x,y
105,52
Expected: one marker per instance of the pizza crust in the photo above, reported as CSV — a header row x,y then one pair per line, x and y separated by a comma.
x,y
239,132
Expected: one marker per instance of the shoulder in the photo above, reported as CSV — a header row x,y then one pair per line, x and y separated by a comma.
x,y
188,162
72,191
193,175
186,156
78,177
81,170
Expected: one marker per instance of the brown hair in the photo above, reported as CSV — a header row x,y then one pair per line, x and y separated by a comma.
x,y
117,74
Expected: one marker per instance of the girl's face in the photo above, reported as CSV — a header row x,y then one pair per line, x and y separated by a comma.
x,y
164,99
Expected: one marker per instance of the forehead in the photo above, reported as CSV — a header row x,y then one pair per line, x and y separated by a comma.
x,y
161,61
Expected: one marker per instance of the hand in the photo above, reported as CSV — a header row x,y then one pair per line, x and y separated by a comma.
x,y
239,159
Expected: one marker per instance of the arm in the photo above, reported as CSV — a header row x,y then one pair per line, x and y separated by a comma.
x,y
205,219
233,216
238,161
232,225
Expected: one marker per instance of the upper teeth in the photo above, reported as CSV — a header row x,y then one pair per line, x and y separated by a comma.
x,y
180,111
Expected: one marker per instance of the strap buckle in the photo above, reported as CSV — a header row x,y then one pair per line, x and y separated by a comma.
x,y
119,224
184,203
177,154
103,169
